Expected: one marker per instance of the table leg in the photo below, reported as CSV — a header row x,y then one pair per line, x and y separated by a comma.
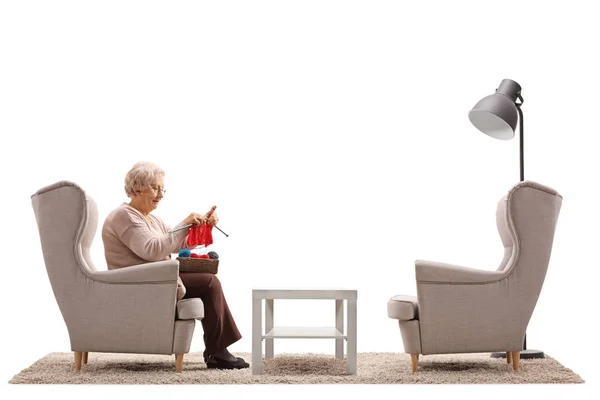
x,y
256,336
269,317
351,351
339,325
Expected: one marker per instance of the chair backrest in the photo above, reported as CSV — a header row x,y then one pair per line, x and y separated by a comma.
x,y
526,218
67,219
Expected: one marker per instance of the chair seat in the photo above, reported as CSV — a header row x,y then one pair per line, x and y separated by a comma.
x,y
190,309
403,307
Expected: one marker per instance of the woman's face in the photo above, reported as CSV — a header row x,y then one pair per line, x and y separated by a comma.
x,y
151,196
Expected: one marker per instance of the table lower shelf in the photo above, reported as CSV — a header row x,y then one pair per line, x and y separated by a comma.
x,y
303,332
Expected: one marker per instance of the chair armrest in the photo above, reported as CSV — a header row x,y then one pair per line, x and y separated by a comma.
x,y
441,273
150,273
126,310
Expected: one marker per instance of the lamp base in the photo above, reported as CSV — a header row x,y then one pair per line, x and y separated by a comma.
x,y
524,355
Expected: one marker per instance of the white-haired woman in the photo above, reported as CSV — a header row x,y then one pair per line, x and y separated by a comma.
x,y
133,235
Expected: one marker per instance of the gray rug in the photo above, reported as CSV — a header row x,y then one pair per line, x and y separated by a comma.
x,y
373,368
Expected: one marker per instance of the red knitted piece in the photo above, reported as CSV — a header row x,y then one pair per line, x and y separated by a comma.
x,y
200,235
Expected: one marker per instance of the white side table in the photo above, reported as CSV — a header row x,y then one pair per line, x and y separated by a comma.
x,y
335,332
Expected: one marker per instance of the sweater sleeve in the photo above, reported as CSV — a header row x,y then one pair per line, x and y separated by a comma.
x,y
146,243
182,244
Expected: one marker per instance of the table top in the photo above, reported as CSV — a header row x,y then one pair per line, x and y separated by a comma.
x,y
308,293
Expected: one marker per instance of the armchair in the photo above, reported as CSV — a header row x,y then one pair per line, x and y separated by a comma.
x,y
128,310
465,310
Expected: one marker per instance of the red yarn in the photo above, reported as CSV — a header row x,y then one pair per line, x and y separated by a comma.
x,y
194,255
200,235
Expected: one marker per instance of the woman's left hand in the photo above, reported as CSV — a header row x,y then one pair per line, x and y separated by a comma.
x,y
212,219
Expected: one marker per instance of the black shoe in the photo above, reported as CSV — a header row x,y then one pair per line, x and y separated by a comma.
x,y
213,362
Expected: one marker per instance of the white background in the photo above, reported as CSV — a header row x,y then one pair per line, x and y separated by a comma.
x,y
332,136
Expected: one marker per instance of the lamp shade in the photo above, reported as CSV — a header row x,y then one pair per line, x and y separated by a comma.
x,y
496,115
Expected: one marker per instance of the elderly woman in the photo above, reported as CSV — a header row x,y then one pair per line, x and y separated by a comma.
x,y
133,235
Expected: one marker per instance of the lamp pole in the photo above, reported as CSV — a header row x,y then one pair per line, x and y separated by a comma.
x,y
521,135
525,354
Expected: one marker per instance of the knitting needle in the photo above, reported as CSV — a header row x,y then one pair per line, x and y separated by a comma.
x,y
209,214
221,231
180,229
187,226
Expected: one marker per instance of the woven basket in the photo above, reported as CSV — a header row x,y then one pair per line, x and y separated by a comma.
x,y
190,264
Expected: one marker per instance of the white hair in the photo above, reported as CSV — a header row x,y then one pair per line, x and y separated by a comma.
x,y
141,176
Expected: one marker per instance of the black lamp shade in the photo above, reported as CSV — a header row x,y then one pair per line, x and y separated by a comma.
x,y
496,115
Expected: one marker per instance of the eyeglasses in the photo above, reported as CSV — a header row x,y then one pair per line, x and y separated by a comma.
x,y
158,189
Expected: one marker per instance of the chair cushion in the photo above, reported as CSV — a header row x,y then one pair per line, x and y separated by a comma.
x,y
403,307
190,309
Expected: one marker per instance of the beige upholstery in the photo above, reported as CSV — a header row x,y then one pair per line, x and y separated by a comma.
x,y
403,307
465,310
127,310
190,309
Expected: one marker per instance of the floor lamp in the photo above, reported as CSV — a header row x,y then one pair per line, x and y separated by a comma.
x,y
497,115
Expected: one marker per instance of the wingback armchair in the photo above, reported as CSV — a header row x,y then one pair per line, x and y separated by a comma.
x,y
465,310
128,310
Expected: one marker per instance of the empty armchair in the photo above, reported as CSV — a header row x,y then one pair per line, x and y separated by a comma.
x,y
127,310
465,310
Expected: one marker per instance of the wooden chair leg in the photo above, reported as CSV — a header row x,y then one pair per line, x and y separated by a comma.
x,y
508,357
516,355
84,358
78,355
414,360
179,362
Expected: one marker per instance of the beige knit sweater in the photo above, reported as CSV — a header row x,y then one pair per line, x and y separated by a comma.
x,y
129,239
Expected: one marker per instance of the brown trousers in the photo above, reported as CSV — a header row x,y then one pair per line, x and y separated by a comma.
x,y
219,326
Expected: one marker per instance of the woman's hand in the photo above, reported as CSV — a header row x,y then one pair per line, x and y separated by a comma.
x,y
194,219
180,289
211,218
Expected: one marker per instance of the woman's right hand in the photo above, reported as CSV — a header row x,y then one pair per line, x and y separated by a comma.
x,y
194,219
